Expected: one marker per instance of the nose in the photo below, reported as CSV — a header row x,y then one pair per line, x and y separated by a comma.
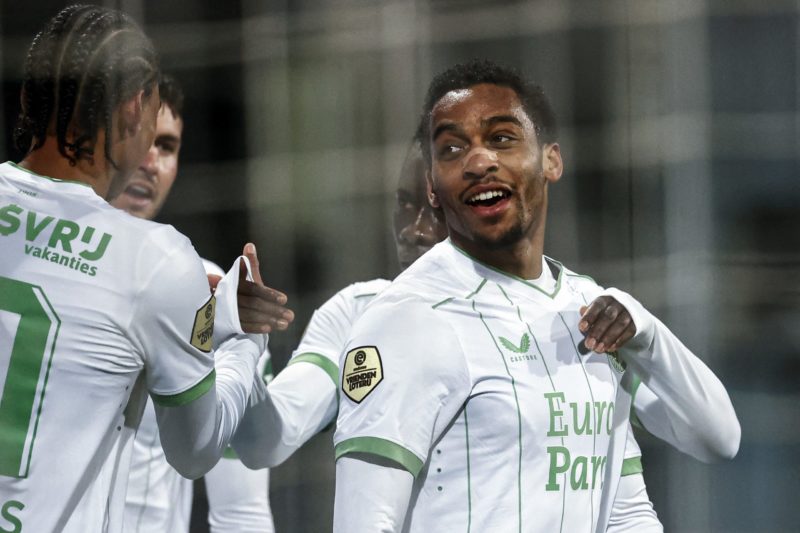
x,y
422,231
149,165
479,162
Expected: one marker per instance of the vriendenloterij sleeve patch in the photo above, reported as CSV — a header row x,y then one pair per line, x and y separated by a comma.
x,y
204,325
362,372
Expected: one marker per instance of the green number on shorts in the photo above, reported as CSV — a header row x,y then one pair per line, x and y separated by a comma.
x,y
27,365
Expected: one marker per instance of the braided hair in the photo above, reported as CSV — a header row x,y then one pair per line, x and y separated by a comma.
x,y
84,63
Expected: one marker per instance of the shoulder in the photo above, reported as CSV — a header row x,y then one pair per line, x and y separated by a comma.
x,y
574,281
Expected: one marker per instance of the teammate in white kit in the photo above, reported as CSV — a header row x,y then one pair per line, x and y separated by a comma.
x,y
158,498
466,402
303,398
97,308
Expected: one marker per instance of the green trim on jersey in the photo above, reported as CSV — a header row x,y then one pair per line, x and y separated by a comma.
x,y
229,453
582,276
322,362
517,278
365,295
445,301
383,448
187,396
591,395
632,465
519,415
56,180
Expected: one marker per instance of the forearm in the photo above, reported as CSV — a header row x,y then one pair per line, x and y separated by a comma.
x,y
300,402
195,434
632,510
371,495
680,400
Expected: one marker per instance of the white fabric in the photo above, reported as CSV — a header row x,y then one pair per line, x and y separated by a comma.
x,y
100,317
680,400
381,498
475,365
632,511
447,402
303,399
160,499
238,498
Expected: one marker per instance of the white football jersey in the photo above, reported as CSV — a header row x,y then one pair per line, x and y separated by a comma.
x,y
330,325
89,298
473,381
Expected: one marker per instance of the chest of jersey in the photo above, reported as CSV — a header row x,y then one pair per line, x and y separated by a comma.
x,y
537,421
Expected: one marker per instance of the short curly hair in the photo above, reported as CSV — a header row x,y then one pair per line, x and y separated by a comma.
x,y
477,71
84,63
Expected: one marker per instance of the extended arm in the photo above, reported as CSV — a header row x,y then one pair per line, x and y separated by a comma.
x,y
299,403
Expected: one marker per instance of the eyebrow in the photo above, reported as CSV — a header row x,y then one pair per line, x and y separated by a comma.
x,y
447,126
501,118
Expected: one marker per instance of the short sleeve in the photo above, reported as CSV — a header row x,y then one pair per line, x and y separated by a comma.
x,y
403,378
326,334
172,323
632,462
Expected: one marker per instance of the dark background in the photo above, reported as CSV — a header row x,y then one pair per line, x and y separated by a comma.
x,y
680,132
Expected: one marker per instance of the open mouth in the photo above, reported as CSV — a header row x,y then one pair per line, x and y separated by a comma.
x,y
139,191
487,198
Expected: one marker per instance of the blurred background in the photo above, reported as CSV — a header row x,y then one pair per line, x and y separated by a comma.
x,y
681,138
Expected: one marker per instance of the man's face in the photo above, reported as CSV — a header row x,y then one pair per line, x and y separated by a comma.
x,y
488,171
417,226
132,137
148,188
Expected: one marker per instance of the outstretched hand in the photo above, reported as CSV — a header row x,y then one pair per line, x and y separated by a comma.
x,y
261,308
606,324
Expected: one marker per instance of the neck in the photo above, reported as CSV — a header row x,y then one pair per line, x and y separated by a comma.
x,y
522,258
48,161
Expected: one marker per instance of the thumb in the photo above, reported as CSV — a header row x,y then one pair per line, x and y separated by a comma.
x,y
582,310
250,253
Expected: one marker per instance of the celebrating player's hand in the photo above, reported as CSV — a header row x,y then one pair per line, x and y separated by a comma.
x,y
606,324
261,308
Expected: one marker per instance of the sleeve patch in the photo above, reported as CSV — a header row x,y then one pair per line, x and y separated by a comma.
x,y
362,372
204,325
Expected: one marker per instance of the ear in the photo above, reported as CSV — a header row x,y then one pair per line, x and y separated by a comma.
x,y
552,165
432,198
131,112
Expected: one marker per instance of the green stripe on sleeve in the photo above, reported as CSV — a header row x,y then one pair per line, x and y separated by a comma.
x,y
321,361
382,448
632,465
187,396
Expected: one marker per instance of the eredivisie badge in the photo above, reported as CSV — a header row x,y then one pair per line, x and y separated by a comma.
x,y
204,325
363,371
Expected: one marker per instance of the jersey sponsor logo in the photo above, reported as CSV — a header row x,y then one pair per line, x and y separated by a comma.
x,y
363,371
587,419
203,328
63,242
521,350
8,519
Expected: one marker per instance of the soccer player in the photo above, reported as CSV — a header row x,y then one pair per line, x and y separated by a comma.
x,y
303,399
98,309
158,498
487,388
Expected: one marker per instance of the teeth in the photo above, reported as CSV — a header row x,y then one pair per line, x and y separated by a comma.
x,y
487,195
